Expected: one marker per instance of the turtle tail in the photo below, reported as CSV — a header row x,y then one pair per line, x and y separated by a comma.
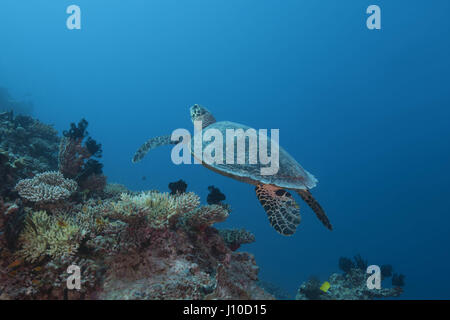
x,y
150,144
316,207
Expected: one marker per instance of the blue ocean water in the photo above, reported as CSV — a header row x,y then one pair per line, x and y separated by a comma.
x,y
365,111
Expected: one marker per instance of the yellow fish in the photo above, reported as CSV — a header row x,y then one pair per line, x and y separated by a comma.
x,y
325,286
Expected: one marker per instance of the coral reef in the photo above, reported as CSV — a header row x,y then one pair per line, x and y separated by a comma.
x,y
128,245
27,147
114,190
351,285
148,245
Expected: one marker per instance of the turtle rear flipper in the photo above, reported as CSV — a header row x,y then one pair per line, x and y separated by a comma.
x,y
150,144
316,207
282,210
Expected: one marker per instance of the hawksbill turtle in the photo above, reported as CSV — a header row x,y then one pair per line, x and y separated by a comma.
x,y
271,190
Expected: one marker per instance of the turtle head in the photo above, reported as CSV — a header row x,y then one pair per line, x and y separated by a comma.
x,y
199,113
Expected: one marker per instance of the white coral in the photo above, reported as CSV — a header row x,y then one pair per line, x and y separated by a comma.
x,y
49,186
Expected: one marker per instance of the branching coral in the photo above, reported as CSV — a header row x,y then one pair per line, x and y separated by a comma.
x,y
160,209
44,235
49,186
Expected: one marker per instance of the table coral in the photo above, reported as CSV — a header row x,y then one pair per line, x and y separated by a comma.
x,y
49,186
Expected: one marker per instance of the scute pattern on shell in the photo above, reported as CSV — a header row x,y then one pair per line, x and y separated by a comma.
x,y
290,175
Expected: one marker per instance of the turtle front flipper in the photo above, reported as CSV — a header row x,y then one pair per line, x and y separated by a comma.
x,y
150,144
316,207
282,210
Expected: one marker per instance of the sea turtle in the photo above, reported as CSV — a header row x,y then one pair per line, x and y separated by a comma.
x,y
282,210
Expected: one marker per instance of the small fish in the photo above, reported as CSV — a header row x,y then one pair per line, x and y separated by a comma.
x,y
35,282
144,178
325,286
62,223
15,264
37,269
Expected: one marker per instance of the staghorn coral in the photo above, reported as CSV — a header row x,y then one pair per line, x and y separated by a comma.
x,y
234,238
53,236
49,186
